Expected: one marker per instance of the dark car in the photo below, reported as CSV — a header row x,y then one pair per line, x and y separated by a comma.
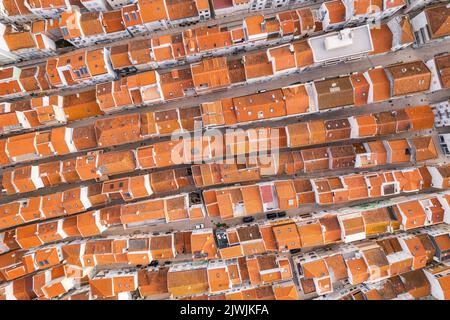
x,y
248,219
281,214
271,215
154,263
294,251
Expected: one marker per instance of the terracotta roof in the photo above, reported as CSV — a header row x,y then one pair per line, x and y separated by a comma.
x,y
175,83
187,282
357,268
361,7
218,279
425,148
212,38
438,18
413,214
311,234
119,56
283,58
443,67
152,10
254,25
181,9
336,11
16,40
131,15
118,130
152,282
236,70
307,20
399,149
112,21
287,236
303,54
289,22
14,7
139,51
334,93
257,65
375,258
409,78
361,88
91,24
210,74
286,292
407,32
265,105
203,244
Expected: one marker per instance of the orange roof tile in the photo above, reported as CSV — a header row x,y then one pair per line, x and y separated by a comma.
x,y
257,65
210,74
283,58
438,20
336,11
181,9
380,83
287,236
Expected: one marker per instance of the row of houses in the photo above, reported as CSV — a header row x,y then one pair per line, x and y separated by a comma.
x,y
281,235
142,16
368,263
199,42
328,94
373,261
85,29
289,194
371,86
19,11
145,88
256,168
195,43
171,12
16,44
72,213
276,236
81,198
216,158
87,67
82,29
155,281
408,286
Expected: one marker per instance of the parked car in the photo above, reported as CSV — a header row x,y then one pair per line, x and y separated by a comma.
x,y
248,219
199,226
281,214
154,263
271,215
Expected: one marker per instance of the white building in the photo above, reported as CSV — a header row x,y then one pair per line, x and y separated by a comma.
x,y
95,5
347,44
